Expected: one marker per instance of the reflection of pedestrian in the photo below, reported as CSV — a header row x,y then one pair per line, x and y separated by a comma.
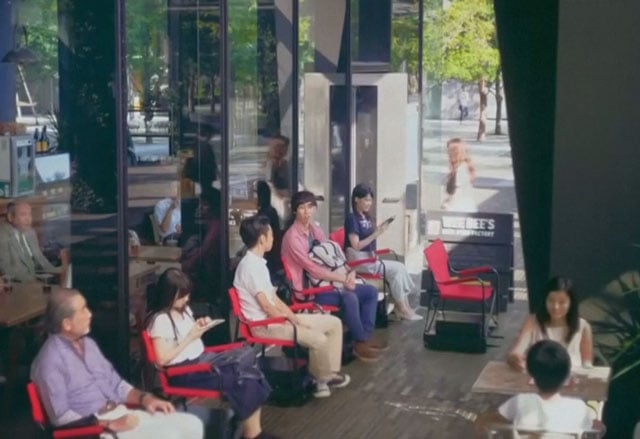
x,y
463,103
277,165
278,174
274,263
462,174
201,256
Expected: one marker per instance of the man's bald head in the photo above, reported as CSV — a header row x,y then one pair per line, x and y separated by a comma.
x,y
19,215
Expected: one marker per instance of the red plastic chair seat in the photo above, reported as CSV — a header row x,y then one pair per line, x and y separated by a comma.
x,y
39,417
463,288
466,292
167,372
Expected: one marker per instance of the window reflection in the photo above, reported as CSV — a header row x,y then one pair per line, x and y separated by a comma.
x,y
260,174
174,183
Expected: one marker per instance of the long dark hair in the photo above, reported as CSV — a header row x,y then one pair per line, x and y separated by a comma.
x,y
172,285
263,191
559,283
361,190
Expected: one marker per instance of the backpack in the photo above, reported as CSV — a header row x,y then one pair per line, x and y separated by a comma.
x,y
243,383
291,383
329,255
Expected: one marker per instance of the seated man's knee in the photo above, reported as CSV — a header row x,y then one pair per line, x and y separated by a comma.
x,y
320,342
350,300
369,291
336,323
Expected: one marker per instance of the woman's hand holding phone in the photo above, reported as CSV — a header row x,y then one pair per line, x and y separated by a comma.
x,y
384,226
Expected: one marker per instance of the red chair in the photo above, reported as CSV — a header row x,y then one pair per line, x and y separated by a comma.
x,y
166,372
466,286
39,417
243,326
308,306
284,372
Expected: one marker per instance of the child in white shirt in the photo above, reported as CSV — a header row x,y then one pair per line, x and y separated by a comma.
x,y
547,410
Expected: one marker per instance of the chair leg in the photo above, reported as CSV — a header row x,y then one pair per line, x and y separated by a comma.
x,y
432,312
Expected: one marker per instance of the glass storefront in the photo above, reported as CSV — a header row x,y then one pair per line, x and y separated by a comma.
x,y
223,104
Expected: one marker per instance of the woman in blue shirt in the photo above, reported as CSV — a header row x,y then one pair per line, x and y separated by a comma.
x,y
360,242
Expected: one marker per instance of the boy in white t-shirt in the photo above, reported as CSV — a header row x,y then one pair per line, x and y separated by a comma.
x,y
320,333
549,365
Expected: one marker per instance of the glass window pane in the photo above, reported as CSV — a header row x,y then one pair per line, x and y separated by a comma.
x,y
58,73
260,119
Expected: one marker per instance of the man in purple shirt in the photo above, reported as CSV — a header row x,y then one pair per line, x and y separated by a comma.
x,y
76,382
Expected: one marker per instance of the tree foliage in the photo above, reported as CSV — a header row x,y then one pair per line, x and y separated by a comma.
x,y
460,42
461,45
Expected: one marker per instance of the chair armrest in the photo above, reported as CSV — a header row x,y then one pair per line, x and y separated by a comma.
x,y
80,432
363,261
316,290
497,428
475,270
463,280
370,276
223,347
173,371
386,251
270,321
306,306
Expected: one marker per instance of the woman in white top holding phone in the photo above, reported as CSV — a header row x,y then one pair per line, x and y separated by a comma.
x,y
176,337
360,243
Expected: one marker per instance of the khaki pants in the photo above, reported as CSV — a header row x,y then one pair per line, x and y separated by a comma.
x,y
323,338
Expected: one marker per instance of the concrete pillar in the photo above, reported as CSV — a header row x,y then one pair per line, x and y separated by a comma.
x,y
327,27
284,49
374,31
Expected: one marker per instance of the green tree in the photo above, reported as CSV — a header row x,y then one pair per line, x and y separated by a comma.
x,y
463,38
404,45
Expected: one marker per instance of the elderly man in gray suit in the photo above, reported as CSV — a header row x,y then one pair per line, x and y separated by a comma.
x,y
20,254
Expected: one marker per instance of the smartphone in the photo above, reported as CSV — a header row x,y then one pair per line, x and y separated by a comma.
x,y
389,220
213,323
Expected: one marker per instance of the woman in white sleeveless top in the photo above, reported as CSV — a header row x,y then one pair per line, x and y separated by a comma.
x,y
460,180
556,319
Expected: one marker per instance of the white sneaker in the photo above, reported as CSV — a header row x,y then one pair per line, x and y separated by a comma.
x,y
322,390
339,381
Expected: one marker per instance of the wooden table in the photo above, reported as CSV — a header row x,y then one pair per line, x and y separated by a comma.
x,y
24,302
158,253
141,275
499,377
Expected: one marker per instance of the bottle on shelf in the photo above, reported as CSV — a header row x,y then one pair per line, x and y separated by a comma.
x,y
44,139
36,140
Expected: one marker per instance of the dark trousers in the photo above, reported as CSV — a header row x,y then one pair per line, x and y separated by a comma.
x,y
358,309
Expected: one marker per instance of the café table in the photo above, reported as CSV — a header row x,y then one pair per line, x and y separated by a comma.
x,y
24,302
157,253
19,306
498,377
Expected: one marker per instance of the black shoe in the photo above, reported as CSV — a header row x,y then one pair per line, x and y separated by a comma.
x,y
264,435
